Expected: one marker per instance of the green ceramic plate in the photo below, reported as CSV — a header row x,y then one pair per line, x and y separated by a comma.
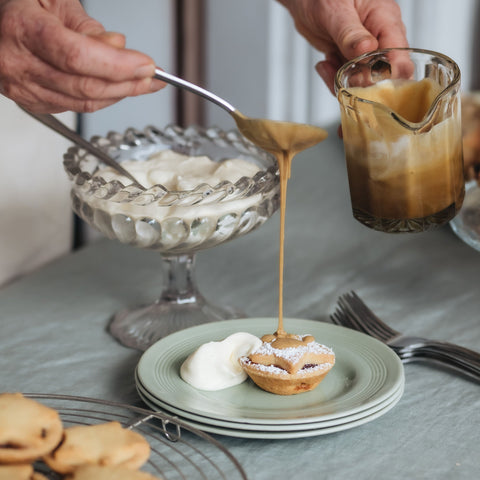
x,y
157,404
366,373
279,433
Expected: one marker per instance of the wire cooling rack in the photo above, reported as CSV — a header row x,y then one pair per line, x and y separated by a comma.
x,y
177,450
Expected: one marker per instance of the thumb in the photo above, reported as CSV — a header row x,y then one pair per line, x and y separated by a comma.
x,y
350,36
113,39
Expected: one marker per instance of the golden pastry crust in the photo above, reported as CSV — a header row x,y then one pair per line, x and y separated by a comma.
x,y
106,444
288,367
276,381
28,429
90,472
19,472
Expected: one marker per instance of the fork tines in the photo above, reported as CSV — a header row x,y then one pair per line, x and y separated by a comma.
x,y
352,312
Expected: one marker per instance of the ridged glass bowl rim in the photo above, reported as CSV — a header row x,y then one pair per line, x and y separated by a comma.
x,y
81,167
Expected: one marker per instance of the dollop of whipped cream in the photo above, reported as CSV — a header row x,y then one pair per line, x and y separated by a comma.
x,y
215,365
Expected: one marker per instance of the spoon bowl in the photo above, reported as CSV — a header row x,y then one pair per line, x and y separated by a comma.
x,y
270,135
278,137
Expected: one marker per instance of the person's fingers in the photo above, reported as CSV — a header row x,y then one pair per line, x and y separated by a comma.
x,y
349,34
55,57
85,55
24,74
43,89
327,70
78,21
91,88
72,15
113,39
38,99
88,87
387,26
327,74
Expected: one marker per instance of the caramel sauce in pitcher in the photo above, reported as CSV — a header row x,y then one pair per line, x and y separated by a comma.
x,y
284,140
398,172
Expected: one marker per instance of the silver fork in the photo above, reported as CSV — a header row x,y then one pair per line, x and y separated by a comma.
x,y
353,313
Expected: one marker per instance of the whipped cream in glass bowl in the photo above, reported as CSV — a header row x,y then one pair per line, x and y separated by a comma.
x,y
203,187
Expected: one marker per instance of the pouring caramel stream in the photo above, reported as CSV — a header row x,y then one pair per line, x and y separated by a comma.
x,y
284,140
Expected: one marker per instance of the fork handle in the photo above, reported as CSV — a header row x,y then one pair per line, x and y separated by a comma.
x,y
443,360
449,349
447,357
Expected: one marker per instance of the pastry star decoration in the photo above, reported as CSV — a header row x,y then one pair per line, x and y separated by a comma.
x,y
291,352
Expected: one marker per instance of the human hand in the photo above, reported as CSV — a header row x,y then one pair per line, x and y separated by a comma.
x,y
54,57
345,29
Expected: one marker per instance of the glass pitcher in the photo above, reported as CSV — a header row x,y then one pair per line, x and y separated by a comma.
x,y
400,114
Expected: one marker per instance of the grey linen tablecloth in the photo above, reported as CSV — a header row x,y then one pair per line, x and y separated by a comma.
x,y
53,337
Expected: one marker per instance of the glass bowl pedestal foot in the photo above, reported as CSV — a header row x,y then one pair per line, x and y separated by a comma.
x,y
180,306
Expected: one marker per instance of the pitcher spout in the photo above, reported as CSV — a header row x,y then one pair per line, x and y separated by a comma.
x,y
435,96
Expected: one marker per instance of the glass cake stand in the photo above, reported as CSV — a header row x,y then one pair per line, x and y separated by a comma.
x,y
177,224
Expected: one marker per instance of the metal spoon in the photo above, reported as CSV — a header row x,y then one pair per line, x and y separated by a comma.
x,y
273,136
59,127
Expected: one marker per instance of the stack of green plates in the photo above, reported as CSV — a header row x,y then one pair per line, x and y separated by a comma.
x,y
365,383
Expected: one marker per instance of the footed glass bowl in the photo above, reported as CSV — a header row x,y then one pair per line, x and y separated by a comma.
x,y
175,223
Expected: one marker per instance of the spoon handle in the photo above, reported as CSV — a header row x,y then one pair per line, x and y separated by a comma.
x,y
62,129
191,87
